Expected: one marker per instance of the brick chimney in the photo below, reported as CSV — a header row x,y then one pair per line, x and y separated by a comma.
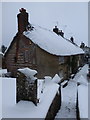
x,y
58,32
22,20
55,30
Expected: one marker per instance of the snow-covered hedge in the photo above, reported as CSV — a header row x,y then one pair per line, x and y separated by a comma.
x,y
83,97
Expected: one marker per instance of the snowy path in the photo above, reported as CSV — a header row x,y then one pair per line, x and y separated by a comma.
x,y
69,93
68,107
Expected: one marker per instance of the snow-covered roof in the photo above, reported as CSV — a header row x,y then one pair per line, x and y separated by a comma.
x,y
51,42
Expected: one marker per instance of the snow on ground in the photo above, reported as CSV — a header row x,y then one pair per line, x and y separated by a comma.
x,y
1,53
69,95
46,39
26,109
2,72
68,106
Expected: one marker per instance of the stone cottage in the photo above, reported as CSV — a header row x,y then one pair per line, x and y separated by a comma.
x,y
42,50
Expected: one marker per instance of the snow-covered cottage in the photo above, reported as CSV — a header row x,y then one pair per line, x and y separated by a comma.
x,y
42,50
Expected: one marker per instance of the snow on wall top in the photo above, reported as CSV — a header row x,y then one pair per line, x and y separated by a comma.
x,y
51,42
83,100
82,80
3,71
28,72
26,109
56,79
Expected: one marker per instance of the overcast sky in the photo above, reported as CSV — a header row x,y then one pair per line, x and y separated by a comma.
x,y
71,17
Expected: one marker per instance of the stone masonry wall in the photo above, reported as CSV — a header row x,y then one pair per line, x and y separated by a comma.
x,y
26,89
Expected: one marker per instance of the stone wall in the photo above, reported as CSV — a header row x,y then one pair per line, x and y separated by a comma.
x,y
26,89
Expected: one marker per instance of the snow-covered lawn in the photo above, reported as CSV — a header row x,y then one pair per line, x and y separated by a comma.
x,y
69,96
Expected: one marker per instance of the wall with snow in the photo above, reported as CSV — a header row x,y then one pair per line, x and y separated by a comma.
x,y
83,101
55,106
8,92
0,98
26,109
83,97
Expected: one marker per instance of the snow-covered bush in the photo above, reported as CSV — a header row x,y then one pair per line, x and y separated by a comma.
x,y
82,81
56,79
